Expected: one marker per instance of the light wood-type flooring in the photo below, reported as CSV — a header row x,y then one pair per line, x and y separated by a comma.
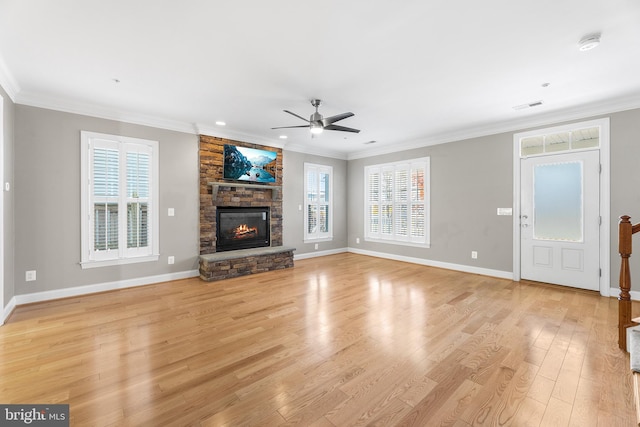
x,y
341,340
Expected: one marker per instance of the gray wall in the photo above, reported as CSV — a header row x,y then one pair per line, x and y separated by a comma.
x,y
47,200
625,187
8,214
293,196
469,180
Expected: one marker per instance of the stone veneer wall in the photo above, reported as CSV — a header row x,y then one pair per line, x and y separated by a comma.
x,y
244,261
211,165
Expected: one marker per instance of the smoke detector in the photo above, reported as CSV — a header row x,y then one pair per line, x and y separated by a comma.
x,y
589,42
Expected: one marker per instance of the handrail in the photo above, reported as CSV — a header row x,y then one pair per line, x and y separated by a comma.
x,y
625,231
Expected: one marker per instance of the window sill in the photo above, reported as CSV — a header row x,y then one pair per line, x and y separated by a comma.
x,y
319,239
397,242
119,261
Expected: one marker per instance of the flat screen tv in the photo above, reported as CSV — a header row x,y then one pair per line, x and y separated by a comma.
x,y
249,164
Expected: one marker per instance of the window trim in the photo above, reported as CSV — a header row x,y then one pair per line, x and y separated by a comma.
x,y
410,165
88,141
317,237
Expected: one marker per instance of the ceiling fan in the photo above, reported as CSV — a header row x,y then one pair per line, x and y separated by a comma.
x,y
317,123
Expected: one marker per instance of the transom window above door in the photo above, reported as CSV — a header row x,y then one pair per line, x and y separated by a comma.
x,y
578,139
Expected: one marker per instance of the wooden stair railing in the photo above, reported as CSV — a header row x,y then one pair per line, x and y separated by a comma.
x,y
625,232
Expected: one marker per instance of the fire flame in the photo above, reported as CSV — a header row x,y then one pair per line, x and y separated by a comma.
x,y
243,231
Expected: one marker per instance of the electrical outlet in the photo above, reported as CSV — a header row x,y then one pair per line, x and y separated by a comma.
x,y
30,276
171,259
316,247
474,254
358,240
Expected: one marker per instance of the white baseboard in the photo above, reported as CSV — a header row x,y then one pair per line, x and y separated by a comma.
x,y
141,281
449,266
615,293
319,253
8,310
99,287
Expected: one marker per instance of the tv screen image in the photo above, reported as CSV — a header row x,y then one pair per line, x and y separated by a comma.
x,y
249,164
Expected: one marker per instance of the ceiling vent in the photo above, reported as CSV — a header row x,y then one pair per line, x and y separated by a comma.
x,y
529,105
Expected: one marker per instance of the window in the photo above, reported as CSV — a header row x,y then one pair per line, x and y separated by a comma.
x,y
396,202
119,200
565,140
318,220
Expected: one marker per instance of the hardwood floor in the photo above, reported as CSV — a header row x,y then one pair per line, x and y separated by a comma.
x,y
343,340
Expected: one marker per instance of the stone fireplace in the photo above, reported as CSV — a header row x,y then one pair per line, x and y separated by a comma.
x,y
257,247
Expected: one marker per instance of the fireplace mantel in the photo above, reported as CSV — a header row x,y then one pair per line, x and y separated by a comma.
x,y
275,189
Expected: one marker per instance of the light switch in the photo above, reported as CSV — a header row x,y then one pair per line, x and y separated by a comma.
x,y
171,212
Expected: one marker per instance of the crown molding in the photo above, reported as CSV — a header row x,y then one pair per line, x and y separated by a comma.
x,y
7,81
86,109
516,125
221,132
513,125
314,150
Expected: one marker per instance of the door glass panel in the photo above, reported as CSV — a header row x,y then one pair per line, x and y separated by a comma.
x,y
558,201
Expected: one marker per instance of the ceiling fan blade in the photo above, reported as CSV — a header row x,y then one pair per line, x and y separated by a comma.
x,y
337,117
342,128
294,114
291,127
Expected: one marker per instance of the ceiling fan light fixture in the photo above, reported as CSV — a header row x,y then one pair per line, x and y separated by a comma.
x,y
316,128
317,123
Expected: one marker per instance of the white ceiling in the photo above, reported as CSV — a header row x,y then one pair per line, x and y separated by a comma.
x,y
414,72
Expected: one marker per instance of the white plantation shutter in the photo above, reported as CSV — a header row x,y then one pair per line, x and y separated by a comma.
x,y
401,201
318,202
324,195
418,203
386,202
396,196
138,170
373,205
119,199
106,193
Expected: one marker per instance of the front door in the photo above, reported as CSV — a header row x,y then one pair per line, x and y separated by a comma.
x,y
560,219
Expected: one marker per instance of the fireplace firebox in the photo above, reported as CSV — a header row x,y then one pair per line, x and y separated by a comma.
x,y
242,228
